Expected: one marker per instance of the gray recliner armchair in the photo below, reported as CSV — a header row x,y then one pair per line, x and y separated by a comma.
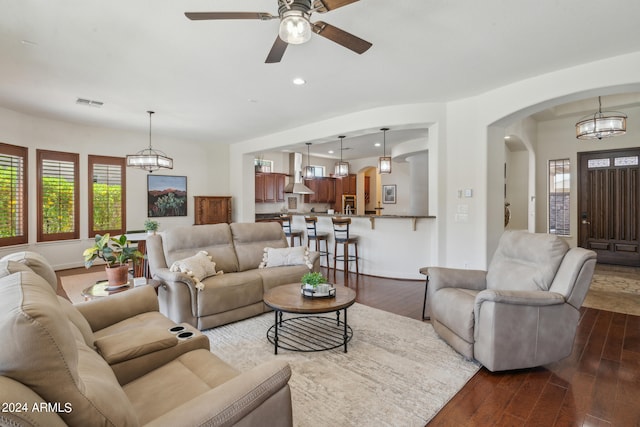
x,y
523,311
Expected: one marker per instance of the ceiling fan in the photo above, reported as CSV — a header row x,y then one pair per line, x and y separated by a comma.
x,y
295,24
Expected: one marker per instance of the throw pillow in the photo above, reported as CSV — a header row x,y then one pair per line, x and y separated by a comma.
x,y
277,257
198,267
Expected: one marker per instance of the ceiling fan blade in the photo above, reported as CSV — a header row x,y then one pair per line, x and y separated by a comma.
x,y
277,51
341,37
323,6
199,16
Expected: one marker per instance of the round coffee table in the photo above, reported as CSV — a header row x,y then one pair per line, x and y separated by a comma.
x,y
309,333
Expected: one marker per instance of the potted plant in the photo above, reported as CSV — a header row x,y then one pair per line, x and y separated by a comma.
x,y
313,279
116,253
151,226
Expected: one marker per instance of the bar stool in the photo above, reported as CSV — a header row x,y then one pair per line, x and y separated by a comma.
x,y
342,237
317,236
285,220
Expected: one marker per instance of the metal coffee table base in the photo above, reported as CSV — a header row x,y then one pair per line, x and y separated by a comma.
x,y
309,333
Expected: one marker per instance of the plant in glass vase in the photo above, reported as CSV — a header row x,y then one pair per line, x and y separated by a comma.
x,y
116,253
151,226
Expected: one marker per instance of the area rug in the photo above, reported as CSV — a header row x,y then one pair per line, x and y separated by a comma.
x,y
616,290
397,372
74,285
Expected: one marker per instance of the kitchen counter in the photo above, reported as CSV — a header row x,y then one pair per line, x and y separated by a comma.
x,y
388,246
372,218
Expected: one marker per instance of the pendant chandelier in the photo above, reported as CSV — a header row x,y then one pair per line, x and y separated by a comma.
x,y
309,171
341,168
601,124
149,159
384,163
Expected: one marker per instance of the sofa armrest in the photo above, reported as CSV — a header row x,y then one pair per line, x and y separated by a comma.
x,y
134,343
237,398
166,275
22,400
103,312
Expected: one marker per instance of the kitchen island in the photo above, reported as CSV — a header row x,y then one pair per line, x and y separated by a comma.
x,y
394,246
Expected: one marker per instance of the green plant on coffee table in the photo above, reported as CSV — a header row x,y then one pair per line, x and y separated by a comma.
x,y
314,279
114,251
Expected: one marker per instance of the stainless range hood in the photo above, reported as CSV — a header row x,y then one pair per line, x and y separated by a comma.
x,y
295,184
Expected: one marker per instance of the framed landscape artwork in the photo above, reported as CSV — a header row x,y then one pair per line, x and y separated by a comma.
x,y
389,193
166,195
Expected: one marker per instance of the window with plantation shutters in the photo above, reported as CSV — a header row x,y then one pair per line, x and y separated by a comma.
x,y
107,195
58,196
13,195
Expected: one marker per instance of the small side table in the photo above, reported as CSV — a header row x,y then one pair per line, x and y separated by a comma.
x,y
100,289
425,271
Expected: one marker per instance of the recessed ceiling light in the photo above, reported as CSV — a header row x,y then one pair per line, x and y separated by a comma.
x,y
330,151
298,81
377,144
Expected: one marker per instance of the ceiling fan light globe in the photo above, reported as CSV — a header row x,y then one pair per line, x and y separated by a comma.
x,y
295,28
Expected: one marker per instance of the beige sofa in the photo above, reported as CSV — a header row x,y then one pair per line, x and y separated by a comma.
x,y
238,250
520,313
113,362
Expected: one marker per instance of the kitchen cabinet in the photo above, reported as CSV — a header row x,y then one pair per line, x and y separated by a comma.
x,y
324,190
344,185
269,187
212,209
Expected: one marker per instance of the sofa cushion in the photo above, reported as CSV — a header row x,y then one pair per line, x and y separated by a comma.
x,y
228,292
182,242
278,257
250,239
37,263
177,382
526,261
48,359
8,267
198,266
78,320
276,276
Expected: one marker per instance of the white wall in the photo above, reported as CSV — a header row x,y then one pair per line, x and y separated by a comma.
x,y
466,151
468,148
557,140
206,169
517,188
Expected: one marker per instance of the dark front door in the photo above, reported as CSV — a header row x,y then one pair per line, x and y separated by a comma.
x,y
608,205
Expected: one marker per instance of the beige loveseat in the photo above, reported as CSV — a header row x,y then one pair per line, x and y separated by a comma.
x,y
238,250
113,362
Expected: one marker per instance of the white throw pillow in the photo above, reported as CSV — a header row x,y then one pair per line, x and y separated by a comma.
x,y
197,267
276,257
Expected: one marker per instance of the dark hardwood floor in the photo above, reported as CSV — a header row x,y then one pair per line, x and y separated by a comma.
x,y
597,385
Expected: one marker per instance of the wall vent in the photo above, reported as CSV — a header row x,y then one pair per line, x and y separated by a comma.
x,y
89,102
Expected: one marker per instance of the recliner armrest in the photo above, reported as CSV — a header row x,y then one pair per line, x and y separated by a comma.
x,y
530,298
134,343
237,398
440,277
103,312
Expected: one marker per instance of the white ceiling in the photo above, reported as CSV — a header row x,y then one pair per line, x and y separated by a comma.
x,y
207,80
